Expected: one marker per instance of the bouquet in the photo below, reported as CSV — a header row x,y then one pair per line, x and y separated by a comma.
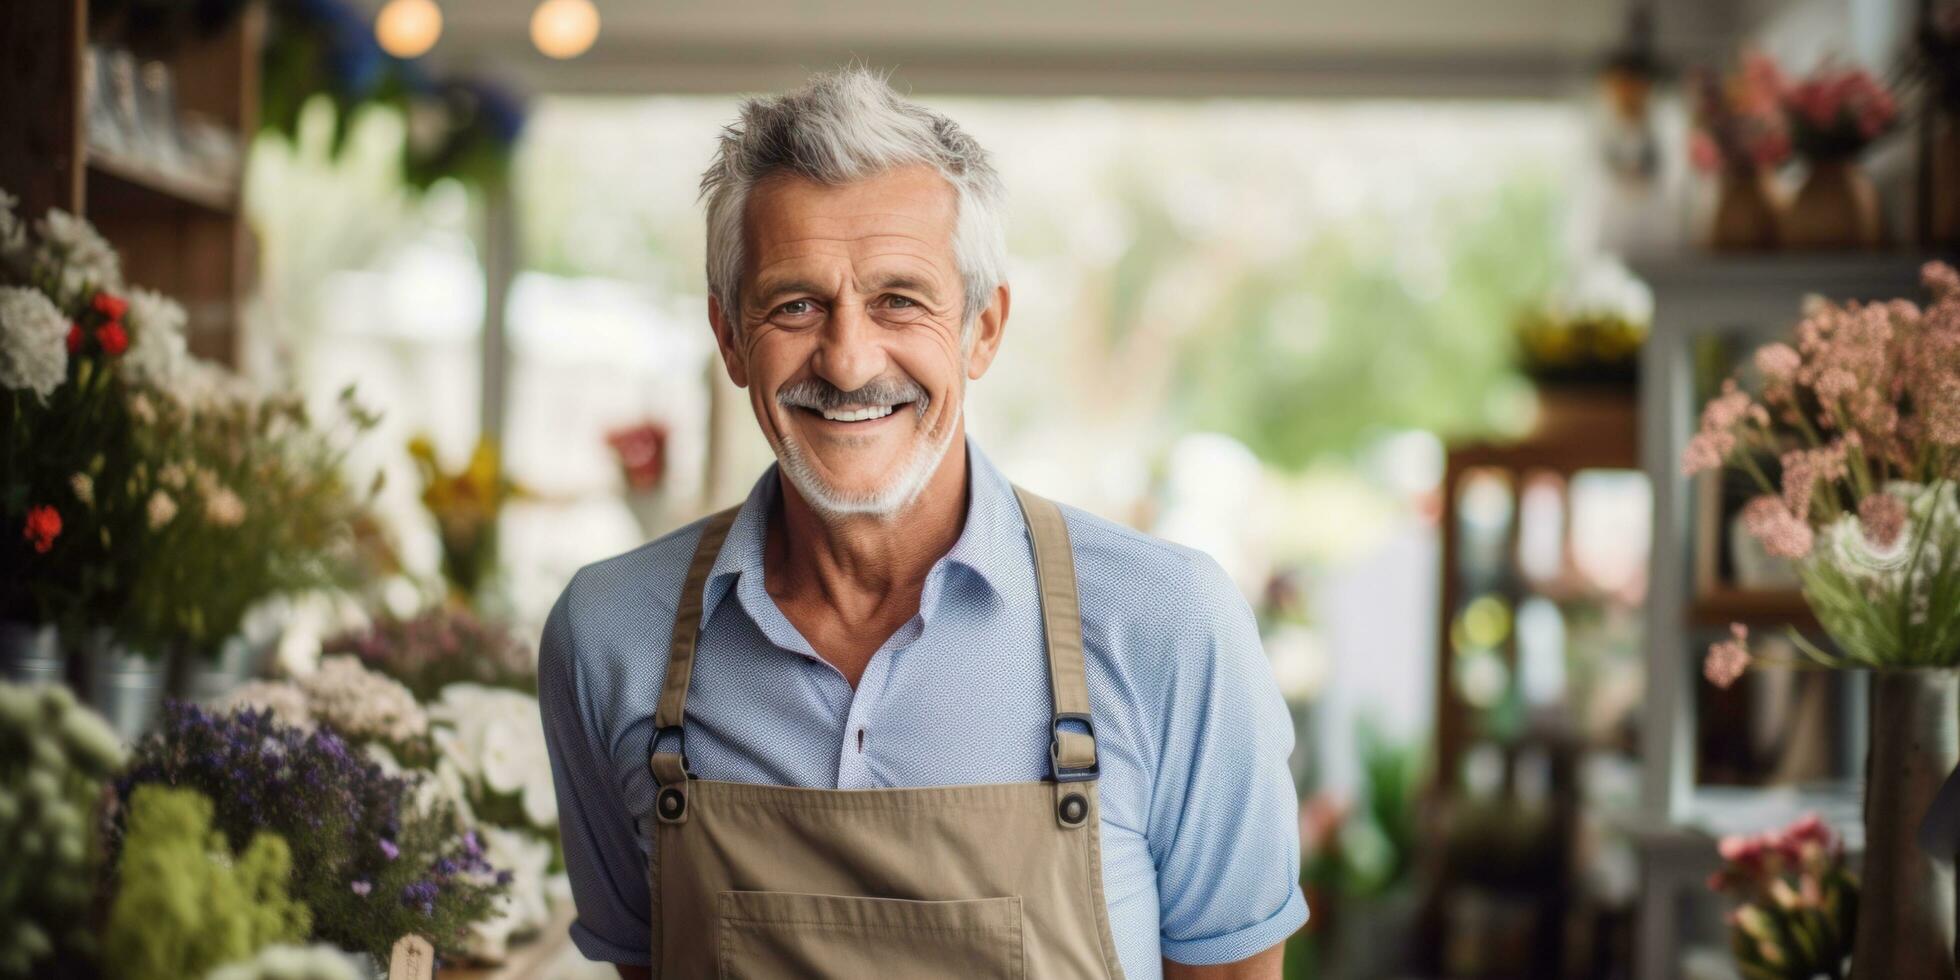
x,y
1797,905
1739,124
370,860
77,349
1854,440
1837,112
440,646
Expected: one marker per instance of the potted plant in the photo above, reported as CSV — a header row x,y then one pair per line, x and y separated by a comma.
x,y
1740,137
1834,115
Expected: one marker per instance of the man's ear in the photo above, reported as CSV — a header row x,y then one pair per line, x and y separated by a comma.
x,y
731,354
987,333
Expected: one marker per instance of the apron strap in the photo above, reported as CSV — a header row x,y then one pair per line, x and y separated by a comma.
x,y
671,767
1071,754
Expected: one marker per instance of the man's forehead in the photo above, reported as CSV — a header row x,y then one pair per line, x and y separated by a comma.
x,y
909,201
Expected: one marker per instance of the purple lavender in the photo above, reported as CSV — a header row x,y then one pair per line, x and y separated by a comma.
x,y
352,828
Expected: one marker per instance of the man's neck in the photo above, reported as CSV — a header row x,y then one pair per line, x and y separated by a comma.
x,y
865,567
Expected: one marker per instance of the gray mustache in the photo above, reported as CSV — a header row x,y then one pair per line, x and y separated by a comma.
x,y
820,395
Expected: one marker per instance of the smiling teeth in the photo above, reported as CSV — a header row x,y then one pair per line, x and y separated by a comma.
x,y
858,414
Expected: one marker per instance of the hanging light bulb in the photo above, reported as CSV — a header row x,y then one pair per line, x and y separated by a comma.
x,y
408,28
565,28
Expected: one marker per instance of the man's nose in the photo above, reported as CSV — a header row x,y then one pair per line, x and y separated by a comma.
x,y
850,353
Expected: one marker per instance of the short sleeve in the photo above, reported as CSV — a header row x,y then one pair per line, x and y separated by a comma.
x,y
1224,825
608,871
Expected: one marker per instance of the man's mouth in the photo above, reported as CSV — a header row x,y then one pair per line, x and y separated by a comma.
x,y
858,413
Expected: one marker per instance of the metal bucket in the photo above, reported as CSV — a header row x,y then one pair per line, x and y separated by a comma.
x,y
124,686
31,654
207,679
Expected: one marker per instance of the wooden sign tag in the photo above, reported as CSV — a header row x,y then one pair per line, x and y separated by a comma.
x,y
413,959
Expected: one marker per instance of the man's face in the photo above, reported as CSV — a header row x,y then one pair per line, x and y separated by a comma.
x,y
849,341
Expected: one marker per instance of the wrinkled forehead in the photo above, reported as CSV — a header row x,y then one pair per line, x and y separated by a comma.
x,y
906,214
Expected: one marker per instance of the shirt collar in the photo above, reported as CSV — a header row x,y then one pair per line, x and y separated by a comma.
x,y
992,545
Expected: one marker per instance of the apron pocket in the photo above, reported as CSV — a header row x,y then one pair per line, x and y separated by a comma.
x,y
771,935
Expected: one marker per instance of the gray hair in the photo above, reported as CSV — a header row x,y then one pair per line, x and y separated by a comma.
x,y
840,127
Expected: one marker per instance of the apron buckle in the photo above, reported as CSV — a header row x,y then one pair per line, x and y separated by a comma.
x,y
1068,750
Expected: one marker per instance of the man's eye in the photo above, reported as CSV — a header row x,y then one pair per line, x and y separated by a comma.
x,y
902,301
797,307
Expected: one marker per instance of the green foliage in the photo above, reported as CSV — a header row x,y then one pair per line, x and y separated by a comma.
x,y
185,904
1350,334
54,757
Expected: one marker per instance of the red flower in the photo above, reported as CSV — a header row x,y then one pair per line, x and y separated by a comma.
x,y
113,338
74,338
43,526
110,305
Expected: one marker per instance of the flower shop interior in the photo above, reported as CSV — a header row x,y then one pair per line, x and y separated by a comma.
x,y
1572,387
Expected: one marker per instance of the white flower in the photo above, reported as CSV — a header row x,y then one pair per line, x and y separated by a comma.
x,y
156,354
172,474
161,509
84,487
282,962
223,508
527,906
361,703
498,738
77,255
33,342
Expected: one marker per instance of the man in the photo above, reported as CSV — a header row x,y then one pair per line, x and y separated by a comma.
x,y
892,714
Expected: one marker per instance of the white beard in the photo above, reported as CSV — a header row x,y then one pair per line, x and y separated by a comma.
x,y
884,502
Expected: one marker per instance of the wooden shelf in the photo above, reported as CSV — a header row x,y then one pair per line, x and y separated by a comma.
x,y
1724,605
198,190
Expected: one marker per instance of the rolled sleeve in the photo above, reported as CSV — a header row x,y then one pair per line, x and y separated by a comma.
x,y
1224,826
603,860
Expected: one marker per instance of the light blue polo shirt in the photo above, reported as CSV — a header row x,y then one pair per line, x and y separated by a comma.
x,y
1200,818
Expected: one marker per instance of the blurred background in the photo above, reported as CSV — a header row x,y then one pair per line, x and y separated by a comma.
x,y
1401,310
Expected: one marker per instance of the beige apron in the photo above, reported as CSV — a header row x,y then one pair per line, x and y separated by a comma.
x,y
982,881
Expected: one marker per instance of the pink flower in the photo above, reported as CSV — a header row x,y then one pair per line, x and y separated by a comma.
x,y
1703,153
1716,440
1940,279
1882,516
1782,533
1727,660
1778,362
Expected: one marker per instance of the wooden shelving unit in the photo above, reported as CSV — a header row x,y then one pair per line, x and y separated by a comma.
x,y
181,233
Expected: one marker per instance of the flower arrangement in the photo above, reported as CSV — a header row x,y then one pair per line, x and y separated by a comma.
x,y
1862,420
1739,124
466,505
184,904
356,703
370,864
246,500
144,491
1838,111
1589,331
440,646
641,451
73,344
55,757
1797,904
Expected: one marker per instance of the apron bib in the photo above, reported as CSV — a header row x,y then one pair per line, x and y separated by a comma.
x,y
997,880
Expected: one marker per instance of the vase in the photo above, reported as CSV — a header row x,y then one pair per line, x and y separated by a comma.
x,y
1748,216
31,654
205,679
1836,208
124,686
1905,915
